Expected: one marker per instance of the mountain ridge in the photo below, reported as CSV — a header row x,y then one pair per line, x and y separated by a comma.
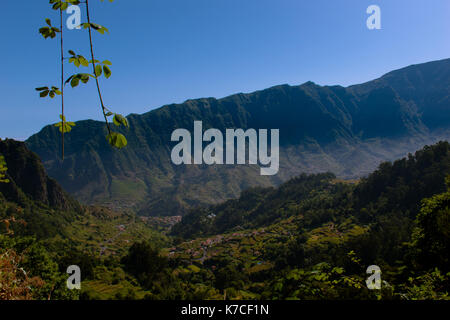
x,y
346,130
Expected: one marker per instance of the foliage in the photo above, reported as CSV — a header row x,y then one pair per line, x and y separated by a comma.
x,y
255,208
432,235
32,264
15,284
144,262
64,126
3,170
115,139
311,238
429,286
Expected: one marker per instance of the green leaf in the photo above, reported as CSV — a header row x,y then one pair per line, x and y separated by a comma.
x,y
102,30
63,125
84,77
117,140
47,32
98,70
83,61
107,71
120,120
75,82
69,79
43,94
99,28
67,127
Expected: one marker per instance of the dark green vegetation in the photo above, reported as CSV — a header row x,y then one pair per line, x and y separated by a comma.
x,y
393,191
30,190
311,238
43,230
347,131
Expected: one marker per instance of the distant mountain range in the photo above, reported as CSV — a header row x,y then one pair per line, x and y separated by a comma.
x,y
347,131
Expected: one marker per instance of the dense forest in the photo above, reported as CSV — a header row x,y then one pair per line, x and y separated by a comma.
x,y
312,237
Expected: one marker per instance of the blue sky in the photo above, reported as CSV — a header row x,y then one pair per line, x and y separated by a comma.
x,y
167,51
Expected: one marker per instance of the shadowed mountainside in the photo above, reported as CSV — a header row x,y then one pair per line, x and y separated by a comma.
x,y
32,202
28,180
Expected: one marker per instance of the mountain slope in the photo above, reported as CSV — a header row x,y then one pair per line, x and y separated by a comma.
x,y
347,131
394,188
275,243
29,180
31,197
33,204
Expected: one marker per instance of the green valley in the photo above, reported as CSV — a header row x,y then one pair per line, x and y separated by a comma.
x,y
311,238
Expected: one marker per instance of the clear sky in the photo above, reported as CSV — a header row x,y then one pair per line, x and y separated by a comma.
x,y
168,51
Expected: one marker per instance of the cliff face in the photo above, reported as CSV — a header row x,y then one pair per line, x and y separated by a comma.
x,y
29,179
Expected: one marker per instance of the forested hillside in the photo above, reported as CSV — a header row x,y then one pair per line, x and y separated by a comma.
x,y
32,195
43,230
311,238
394,189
